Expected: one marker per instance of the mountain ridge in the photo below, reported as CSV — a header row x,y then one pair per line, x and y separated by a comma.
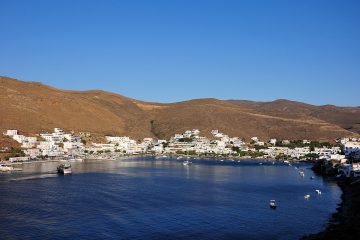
x,y
32,107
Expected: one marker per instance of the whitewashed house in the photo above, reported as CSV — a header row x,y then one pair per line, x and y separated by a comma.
x,y
273,141
32,152
19,138
11,132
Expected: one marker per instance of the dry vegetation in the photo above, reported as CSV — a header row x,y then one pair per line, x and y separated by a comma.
x,y
33,107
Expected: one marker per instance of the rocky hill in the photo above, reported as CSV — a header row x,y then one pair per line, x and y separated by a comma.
x,y
33,107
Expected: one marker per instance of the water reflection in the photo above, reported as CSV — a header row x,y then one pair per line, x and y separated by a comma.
x,y
148,198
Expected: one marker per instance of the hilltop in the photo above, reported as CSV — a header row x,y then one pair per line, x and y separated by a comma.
x,y
32,107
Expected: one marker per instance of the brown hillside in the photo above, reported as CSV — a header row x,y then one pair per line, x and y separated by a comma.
x,y
345,117
34,107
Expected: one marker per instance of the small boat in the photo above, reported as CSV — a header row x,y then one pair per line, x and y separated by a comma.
x,y
272,204
312,177
221,160
302,174
75,160
286,162
5,168
64,168
318,191
261,163
186,163
307,196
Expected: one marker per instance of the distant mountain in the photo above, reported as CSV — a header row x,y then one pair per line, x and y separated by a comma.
x,y
33,107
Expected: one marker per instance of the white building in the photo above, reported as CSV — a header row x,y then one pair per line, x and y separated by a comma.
x,y
11,133
273,141
158,148
19,159
102,147
117,139
32,152
259,143
73,148
195,132
27,145
19,138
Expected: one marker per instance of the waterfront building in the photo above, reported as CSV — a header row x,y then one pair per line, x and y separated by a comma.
x,y
32,152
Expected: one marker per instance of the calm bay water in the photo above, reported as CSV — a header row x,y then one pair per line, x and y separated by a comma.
x,y
150,198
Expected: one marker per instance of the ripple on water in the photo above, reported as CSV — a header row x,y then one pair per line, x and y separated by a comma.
x,y
161,199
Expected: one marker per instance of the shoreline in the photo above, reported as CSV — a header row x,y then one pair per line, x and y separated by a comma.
x,y
343,224
179,156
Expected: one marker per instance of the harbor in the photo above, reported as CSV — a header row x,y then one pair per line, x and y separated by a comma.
x,y
201,195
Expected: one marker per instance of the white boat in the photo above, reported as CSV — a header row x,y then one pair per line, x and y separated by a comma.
x,y
5,168
64,168
186,163
307,196
272,204
75,160
286,162
318,191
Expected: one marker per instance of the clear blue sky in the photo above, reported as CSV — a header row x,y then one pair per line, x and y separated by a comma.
x,y
171,50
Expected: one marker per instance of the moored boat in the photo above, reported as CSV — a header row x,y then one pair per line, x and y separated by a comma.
x,y
5,168
186,163
272,204
64,168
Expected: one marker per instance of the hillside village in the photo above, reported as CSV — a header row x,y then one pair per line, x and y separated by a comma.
x,y
66,145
